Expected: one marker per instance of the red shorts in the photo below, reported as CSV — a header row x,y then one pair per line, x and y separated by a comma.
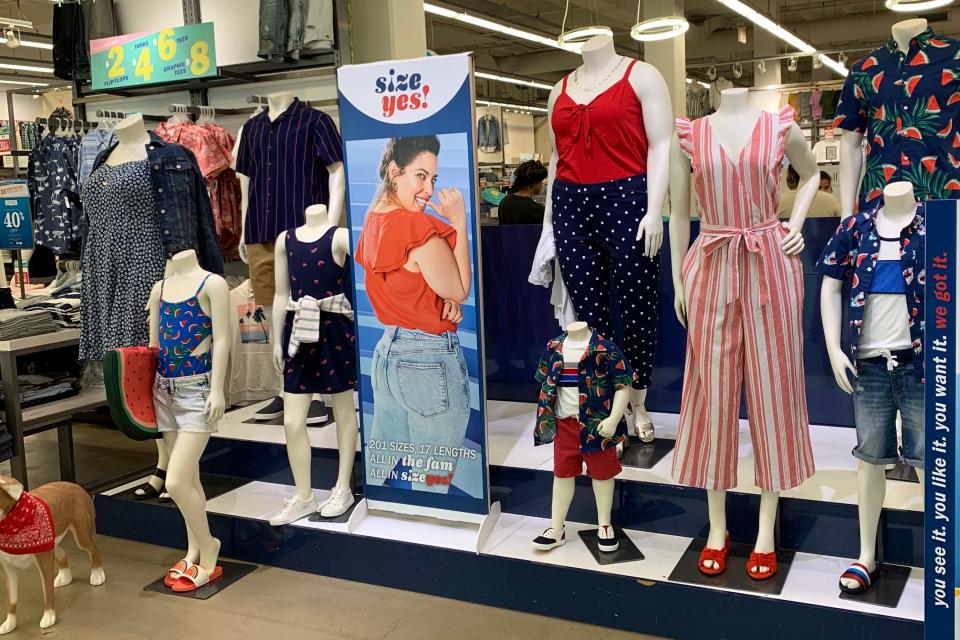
x,y
568,461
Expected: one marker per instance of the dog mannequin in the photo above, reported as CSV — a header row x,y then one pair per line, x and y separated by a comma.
x,y
71,509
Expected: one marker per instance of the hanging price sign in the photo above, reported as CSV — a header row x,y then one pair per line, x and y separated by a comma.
x,y
16,224
167,55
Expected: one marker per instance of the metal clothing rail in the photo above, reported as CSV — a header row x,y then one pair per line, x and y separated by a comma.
x,y
200,110
65,123
120,115
316,104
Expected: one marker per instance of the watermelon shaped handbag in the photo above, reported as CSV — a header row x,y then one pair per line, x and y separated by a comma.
x,y
128,375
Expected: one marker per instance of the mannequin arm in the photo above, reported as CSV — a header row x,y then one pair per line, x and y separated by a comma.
x,y
679,224
851,164
805,164
552,169
281,294
218,296
831,314
244,195
608,427
338,189
341,245
654,100
153,306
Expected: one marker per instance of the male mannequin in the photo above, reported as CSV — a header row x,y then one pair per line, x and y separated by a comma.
x,y
733,125
186,447
896,216
296,405
602,69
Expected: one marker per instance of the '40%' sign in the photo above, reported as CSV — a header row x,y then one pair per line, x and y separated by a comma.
x,y
16,224
167,55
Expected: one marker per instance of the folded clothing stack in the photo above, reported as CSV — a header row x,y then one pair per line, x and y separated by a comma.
x,y
64,311
15,323
40,389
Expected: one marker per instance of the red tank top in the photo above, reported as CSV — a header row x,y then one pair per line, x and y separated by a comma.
x,y
603,140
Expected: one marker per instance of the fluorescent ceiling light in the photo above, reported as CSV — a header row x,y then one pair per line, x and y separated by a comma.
x,y
25,67
509,105
909,6
772,27
31,43
509,80
699,82
659,29
477,21
26,84
583,34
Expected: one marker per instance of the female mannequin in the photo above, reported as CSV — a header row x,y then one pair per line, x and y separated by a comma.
x,y
314,233
603,70
727,134
876,400
189,406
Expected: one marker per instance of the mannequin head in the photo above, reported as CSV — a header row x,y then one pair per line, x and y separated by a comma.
x,y
408,171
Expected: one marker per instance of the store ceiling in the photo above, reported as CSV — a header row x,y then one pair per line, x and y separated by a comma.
x,y
851,26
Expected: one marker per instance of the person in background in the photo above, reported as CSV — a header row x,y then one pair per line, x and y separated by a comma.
x,y
825,205
518,207
826,182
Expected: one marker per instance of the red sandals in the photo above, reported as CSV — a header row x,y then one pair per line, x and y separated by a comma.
x,y
719,556
758,560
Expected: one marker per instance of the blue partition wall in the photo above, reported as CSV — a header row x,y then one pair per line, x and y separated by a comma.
x,y
519,320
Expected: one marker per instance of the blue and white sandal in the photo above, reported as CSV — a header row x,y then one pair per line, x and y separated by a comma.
x,y
858,573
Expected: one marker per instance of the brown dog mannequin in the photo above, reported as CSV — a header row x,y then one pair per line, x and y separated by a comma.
x,y
71,509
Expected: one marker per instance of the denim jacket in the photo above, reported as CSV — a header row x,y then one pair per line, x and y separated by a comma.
x,y
181,200
602,371
488,133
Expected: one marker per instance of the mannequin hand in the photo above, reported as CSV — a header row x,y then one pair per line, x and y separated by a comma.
x,y
792,243
608,427
450,206
214,407
680,306
242,248
840,364
452,312
651,230
278,357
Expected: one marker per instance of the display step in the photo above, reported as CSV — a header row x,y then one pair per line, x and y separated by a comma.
x,y
496,565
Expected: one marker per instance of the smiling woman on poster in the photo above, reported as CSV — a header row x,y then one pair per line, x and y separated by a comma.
x,y
417,274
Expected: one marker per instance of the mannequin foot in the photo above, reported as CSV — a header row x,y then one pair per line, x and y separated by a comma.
x,y
713,560
151,488
293,509
607,539
209,557
642,425
859,576
341,499
550,540
762,566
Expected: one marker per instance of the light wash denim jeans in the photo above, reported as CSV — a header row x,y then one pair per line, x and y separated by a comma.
x,y
421,406
878,394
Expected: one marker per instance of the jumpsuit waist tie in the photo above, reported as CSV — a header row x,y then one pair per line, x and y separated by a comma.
x,y
739,238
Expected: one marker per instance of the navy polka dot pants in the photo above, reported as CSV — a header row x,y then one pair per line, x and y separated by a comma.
x,y
595,228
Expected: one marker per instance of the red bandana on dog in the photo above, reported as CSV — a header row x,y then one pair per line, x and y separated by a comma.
x,y
28,528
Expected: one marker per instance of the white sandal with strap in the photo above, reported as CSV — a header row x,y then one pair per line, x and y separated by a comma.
x,y
195,577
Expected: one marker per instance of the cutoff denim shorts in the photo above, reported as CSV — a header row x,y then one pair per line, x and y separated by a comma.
x,y
179,404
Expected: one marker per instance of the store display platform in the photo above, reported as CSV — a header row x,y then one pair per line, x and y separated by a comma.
x,y
817,524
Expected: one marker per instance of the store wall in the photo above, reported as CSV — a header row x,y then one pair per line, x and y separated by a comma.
x,y
236,29
541,137
521,135
136,16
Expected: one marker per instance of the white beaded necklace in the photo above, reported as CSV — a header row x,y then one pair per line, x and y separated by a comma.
x,y
603,81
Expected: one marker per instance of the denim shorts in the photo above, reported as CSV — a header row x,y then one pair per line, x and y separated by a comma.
x,y
421,407
879,393
179,403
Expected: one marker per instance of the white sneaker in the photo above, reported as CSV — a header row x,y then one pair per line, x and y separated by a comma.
x,y
337,504
607,539
293,509
549,540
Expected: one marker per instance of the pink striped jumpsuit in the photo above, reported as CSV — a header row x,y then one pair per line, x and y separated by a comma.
x,y
744,317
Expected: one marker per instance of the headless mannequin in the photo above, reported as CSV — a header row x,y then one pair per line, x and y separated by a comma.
x,y
578,334
899,209
851,142
600,58
296,405
183,473
733,124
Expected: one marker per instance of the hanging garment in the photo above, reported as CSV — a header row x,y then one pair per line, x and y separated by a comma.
x,y
326,365
488,134
744,316
122,258
90,147
52,179
253,376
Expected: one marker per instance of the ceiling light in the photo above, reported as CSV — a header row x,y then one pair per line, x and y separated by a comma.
x,y
509,105
762,66
659,29
772,27
477,21
738,70
792,65
908,6
818,62
12,38
712,72
509,80
25,67
30,43
26,84
583,34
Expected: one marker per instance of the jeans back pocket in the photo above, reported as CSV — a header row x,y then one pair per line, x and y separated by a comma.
x,y
423,387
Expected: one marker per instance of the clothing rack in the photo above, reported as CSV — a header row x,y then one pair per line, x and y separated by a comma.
x,y
120,115
65,123
201,110
316,104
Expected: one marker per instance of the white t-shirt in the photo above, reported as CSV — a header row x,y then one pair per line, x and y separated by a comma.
x,y
568,386
252,374
886,319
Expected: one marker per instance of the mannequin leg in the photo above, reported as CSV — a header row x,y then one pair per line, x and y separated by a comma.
x,y
347,430
717,508
163,460
768,520
182,481
296,406
872,490
642,422
603,492
562,497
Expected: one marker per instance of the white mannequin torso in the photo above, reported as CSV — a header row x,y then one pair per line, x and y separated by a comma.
x,y
132,141
734,122
278,103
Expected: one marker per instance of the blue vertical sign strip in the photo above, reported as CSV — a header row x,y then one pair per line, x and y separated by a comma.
x,y
941,369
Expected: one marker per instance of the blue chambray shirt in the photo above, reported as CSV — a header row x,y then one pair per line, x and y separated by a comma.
x,y
853,252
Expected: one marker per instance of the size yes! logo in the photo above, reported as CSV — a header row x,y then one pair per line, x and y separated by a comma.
x,y
401,92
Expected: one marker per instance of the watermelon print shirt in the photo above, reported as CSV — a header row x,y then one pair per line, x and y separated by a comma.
x,y
602,371
853,252
184,326
907,104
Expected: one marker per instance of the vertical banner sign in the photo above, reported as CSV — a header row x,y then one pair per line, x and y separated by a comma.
x,y
408,137
16,224
941,371
153,57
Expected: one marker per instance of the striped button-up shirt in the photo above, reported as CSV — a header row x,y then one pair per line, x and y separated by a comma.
x,y
286,161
